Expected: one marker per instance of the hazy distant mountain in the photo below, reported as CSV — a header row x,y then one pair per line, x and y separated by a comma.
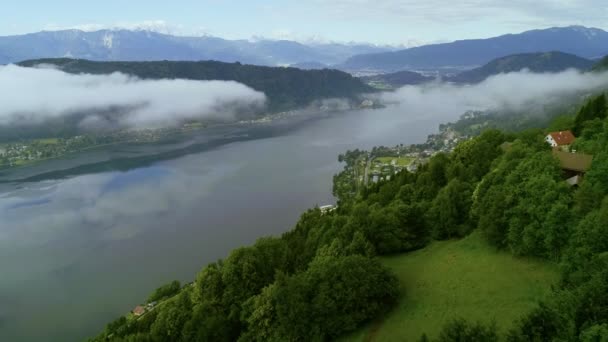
x,y
125,45
541,62
535,62
578,40
309,66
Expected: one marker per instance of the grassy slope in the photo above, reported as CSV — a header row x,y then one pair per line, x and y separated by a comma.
x,y
463,278
402,161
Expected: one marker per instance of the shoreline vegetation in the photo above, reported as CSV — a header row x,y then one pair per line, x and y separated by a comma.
x,y
24,153
336,271
27,152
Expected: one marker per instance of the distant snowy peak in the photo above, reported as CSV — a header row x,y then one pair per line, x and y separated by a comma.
x,y
589,32
157,26
108,40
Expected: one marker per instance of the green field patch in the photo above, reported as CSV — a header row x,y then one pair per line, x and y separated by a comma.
x,y
465,278
399,161
194,125
48,141
380,85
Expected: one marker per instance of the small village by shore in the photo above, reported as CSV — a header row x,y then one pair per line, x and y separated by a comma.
x,y
381,163
25,152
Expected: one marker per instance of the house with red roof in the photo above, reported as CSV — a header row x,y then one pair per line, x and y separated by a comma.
x,y
139,310
561,139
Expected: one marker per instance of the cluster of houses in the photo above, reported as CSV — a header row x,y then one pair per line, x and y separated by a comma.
x,y
367,104
574,165
384,171
140,310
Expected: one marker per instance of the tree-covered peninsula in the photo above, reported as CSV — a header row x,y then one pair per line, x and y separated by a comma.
x,y
285,88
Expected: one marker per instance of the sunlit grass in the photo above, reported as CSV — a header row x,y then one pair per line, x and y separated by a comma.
x,y
465,278
48,141
401,161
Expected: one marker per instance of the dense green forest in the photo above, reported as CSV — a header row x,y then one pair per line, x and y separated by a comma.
x,y
541,62
285,88
323,279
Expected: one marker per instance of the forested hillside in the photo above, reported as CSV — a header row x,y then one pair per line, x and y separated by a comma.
x,y
397,79
602,65
548,62
285,88
542,62
323,279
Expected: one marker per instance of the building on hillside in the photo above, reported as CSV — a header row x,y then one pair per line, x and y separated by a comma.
x,y
139,310
574,165
574,180
561,139
506,146
367,104
327,208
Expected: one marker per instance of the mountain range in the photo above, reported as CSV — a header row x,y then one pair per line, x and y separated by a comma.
x,y
445,58
140,45
591,43
541,62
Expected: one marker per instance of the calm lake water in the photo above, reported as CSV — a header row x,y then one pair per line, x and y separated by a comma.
x,y
86,238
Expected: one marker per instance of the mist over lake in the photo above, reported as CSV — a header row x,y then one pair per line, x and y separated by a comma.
x,y
85,238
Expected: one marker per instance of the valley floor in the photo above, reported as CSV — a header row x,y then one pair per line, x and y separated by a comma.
x,y
464,278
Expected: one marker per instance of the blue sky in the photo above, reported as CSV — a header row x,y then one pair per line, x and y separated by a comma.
x,y
376,21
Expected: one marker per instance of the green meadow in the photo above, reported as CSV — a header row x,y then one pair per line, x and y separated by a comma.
x,y
464,278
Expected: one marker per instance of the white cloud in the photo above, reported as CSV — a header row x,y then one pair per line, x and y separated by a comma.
x,y
379,21
36,94
517,91
467,10
399,21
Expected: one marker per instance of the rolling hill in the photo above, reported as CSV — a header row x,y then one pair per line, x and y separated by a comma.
x,y
602,65
542,62
396,79
466,54
285,88
455,279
